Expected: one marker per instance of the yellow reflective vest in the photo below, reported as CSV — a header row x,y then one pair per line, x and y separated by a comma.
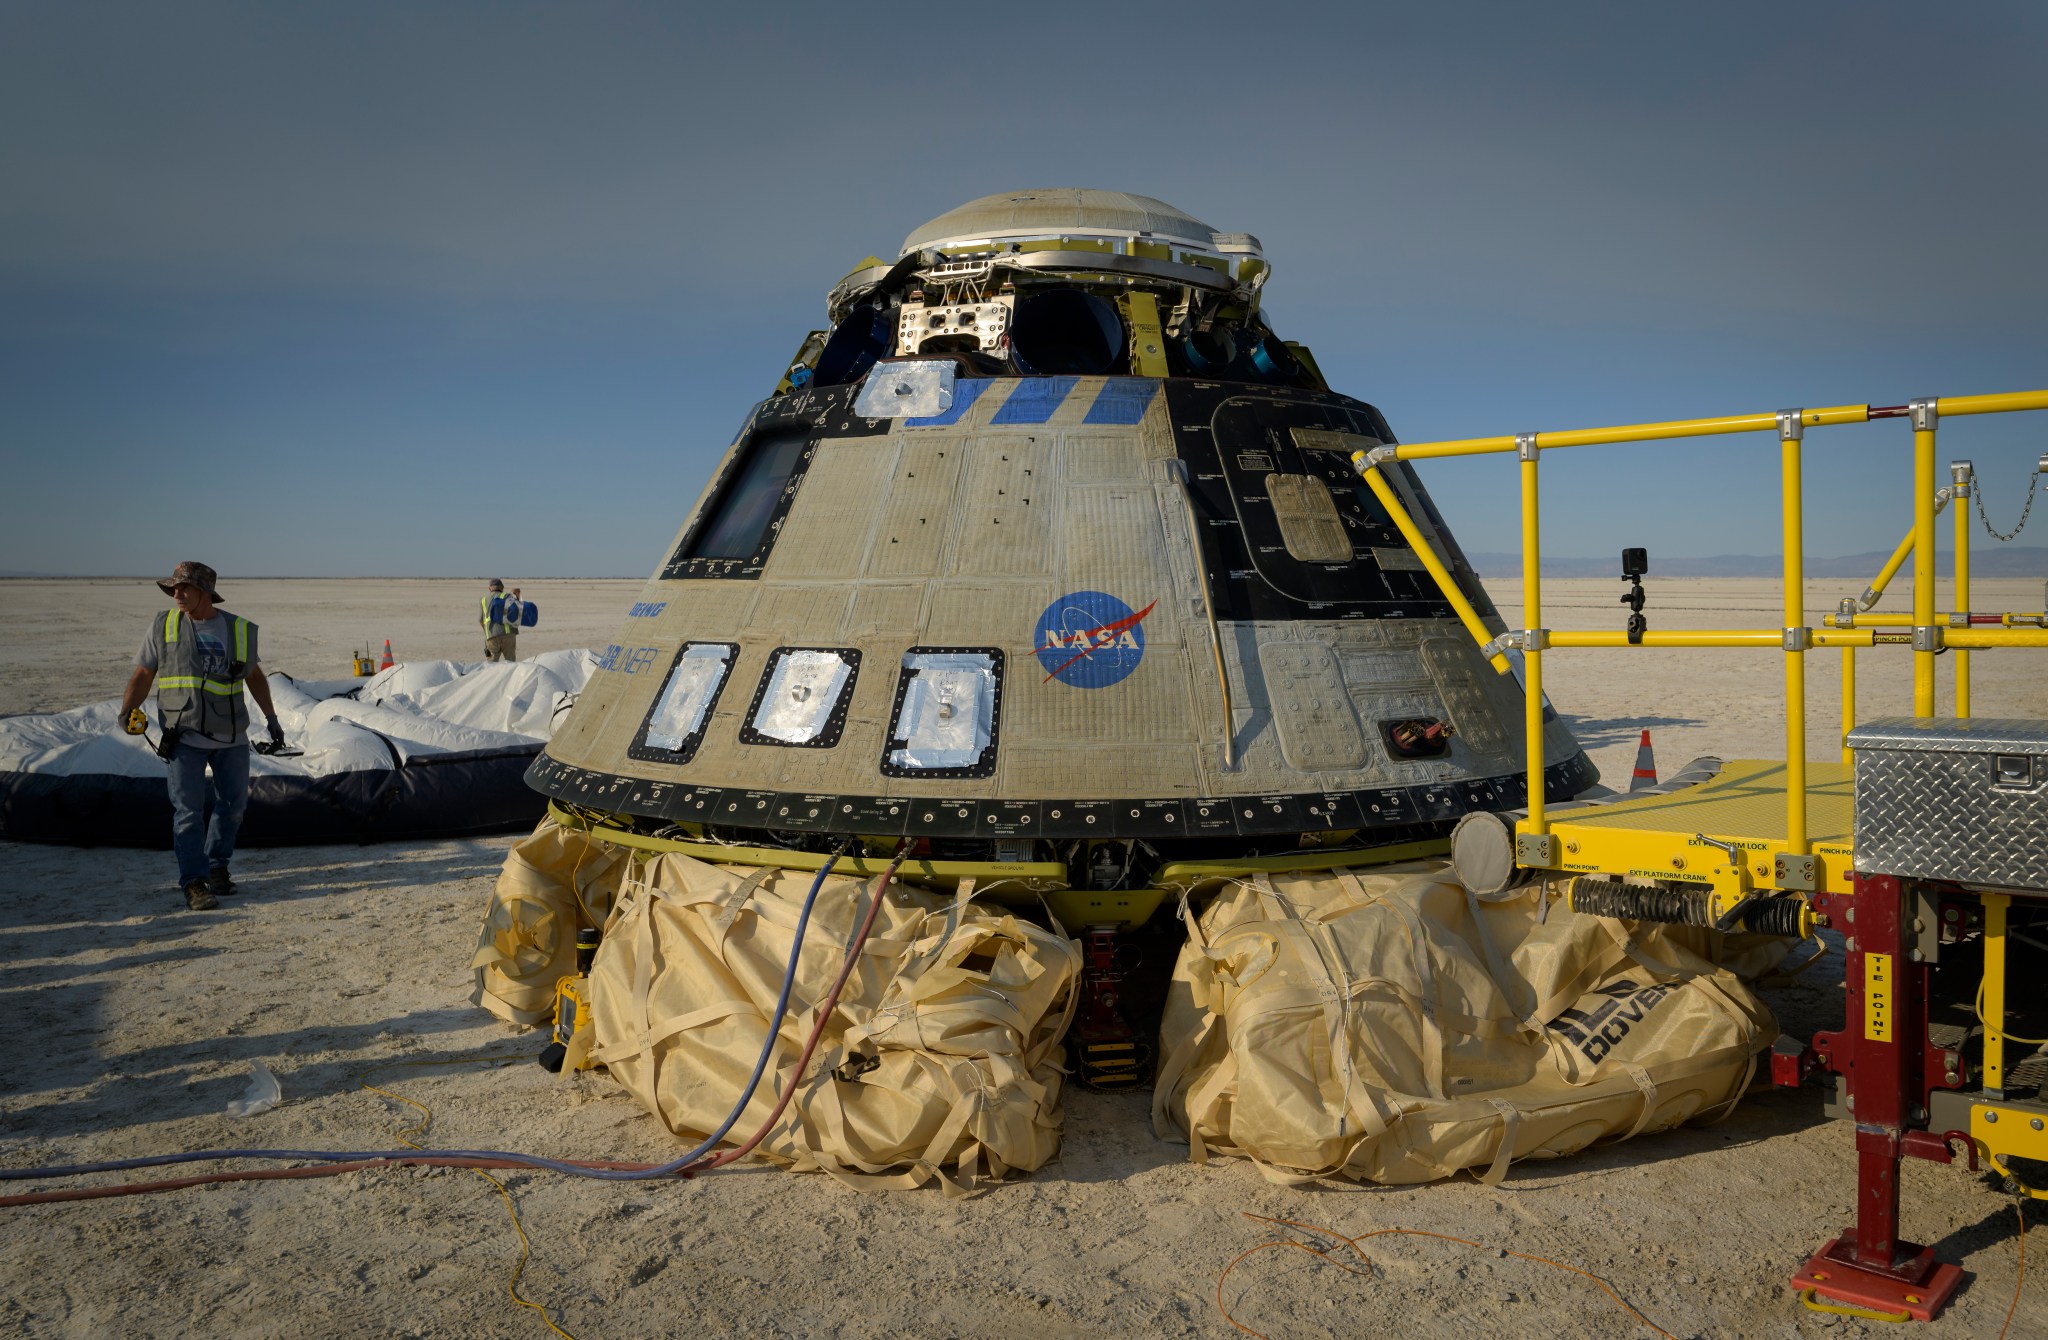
x,y
190,700
496,627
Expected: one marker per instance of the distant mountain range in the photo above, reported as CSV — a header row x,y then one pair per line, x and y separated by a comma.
x,y
1985,561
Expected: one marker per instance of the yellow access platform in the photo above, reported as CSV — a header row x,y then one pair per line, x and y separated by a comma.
x,y
1724,834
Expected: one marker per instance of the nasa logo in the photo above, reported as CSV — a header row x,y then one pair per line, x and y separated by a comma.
x,y
1090,639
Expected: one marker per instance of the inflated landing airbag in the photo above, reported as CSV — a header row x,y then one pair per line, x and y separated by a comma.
x,y
1395,1027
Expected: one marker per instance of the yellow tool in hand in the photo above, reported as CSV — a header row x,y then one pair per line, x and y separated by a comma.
x,y
137,721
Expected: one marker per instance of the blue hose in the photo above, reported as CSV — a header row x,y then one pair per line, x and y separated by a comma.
x,y
668,1169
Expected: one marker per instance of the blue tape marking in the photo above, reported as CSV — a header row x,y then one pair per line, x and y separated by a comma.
x,y
1035,400
965,393
1122,400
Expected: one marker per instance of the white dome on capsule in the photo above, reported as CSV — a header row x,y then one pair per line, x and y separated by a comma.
x,y
1071,211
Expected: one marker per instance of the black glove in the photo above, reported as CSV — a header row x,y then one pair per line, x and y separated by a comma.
x,y
276,741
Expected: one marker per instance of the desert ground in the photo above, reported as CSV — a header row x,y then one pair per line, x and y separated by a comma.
x,y
137,1023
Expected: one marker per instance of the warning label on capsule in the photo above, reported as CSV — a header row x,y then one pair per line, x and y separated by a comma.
x,y
1090,639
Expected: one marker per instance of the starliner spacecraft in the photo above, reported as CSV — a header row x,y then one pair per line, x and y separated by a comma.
x,y
1049,554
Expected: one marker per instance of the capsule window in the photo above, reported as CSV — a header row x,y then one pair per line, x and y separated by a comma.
x,y
948,701
738,526
802,698
675,724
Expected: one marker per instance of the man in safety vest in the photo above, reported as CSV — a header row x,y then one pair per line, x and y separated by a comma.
x,y
202,661
500,621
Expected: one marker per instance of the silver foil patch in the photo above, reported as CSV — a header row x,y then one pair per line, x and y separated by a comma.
x,y
802,691
918,388
691,686
948,710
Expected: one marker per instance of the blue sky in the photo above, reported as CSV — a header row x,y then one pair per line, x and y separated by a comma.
x,y
453,289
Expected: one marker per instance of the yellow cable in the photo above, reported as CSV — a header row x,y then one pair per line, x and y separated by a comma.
x,y
1844,1310
1978,1010
426,1120
590,819
576,891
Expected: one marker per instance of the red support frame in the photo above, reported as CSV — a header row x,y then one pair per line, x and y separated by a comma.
x,y
1108,1053
1881,1055
1101,980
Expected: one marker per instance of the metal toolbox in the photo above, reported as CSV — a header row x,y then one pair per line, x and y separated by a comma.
x,y
1961,800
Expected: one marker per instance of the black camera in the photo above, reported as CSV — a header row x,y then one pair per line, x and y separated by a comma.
x,y
1634,563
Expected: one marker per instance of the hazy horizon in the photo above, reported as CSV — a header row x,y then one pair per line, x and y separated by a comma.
x,y
1986,564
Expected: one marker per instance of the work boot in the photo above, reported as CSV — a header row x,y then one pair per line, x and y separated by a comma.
x,y
200,898
218,881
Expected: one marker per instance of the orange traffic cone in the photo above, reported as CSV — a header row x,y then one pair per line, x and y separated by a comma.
x,y
1646,766
386,665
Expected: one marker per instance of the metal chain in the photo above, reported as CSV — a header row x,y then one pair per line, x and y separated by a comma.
x,y
1978,494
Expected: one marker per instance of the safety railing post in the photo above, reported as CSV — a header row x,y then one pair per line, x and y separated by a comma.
x,y
1532,634
1960,473
1848,702
1848,692
1996,906
1797,638
1926,636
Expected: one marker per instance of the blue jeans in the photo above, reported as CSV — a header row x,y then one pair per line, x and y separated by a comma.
x,y
198,842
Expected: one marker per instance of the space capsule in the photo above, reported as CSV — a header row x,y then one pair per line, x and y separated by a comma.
x,y
1048,554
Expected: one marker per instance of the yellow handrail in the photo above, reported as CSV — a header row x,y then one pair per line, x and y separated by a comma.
x,y
1532,649
1891,567
1634,432
1795,637
1975,639
2009,619
1960,473
1694,637
1925,417
1980,638
1430,562
1848,699
2003,403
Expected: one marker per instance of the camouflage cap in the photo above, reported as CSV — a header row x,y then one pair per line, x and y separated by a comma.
x,y
196,574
